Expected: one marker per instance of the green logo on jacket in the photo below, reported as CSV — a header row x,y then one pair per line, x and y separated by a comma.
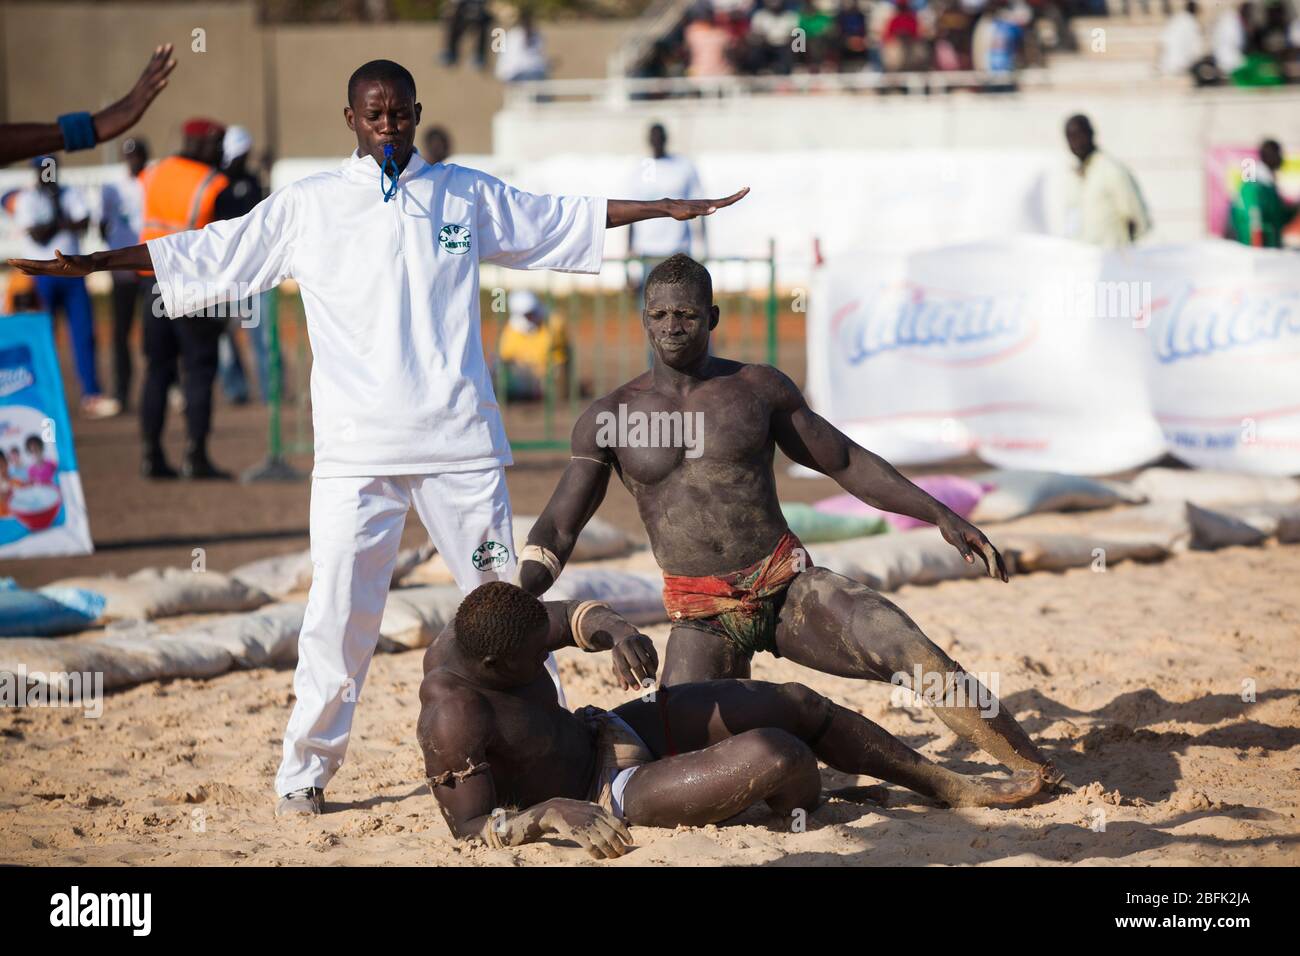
x,y
455,239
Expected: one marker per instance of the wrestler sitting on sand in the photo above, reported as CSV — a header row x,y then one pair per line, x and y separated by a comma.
x,y
734,575
509,765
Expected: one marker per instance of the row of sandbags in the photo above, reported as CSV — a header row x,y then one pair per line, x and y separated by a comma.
x,y
78,604
130,654
1002,495
136,652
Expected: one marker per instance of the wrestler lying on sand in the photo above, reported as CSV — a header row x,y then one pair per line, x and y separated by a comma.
x,y
508,765
734,576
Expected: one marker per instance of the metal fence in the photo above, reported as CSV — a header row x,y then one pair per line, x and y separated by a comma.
x,y
606,344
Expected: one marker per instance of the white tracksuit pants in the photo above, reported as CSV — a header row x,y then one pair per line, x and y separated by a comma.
x,y
356,529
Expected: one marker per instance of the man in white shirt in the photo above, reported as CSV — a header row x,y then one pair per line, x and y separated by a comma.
x,y
664,175
523,53
385,251
1182,42
1103,203
53,217
121,215
1228,40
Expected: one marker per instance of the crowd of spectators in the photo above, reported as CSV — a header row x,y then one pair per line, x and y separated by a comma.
x,y
1253,44
756,37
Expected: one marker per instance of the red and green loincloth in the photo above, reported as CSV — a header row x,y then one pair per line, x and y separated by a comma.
x,y
740,606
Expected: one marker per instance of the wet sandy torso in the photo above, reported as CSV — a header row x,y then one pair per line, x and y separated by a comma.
x,y
709,504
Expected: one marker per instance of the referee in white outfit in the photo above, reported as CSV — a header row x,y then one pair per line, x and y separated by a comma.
x,y
385,251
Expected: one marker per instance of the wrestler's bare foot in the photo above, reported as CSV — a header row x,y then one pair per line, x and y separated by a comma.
x,y
984,792
876,794
1052,777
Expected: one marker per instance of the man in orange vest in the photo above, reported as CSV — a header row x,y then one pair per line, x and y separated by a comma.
x,y
179,194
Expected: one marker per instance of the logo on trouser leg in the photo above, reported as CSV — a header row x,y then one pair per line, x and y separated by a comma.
x,y
490,555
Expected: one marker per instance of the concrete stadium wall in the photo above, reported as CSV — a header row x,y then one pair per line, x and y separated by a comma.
x,y
284,82
1161,135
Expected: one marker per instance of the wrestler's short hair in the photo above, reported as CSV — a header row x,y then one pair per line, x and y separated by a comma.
x,y
495,618
383,71
681,269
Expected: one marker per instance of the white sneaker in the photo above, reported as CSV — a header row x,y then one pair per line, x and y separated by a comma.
x,y
307,802
100,406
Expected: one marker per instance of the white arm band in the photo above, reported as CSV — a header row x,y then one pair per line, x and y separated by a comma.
x,y
543,556
575,623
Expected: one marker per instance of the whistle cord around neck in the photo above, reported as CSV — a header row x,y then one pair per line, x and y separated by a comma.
x,y
389,171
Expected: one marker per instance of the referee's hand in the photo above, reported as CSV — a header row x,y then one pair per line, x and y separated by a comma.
x,y
684,209
67,267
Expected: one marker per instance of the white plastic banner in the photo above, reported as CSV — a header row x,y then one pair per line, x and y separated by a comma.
x,y
1038,352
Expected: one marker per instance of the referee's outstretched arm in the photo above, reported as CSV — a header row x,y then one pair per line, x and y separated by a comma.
x,y
621,212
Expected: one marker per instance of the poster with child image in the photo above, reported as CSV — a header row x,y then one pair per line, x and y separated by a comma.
x,y
42,508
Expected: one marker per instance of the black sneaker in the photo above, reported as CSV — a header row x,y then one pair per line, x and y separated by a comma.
x,y
156,469
199,468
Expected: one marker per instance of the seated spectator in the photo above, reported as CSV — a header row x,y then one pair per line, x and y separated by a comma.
x,y
523,53
952,33
706,44
851,30
770,42
818,28
1228,39
996,43
532,349
1182,42
901,45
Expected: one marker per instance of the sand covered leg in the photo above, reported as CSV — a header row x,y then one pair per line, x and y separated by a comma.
x,y
837,626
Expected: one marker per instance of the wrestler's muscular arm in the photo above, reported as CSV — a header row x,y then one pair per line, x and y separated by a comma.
x,y
454,738
581,489
812,441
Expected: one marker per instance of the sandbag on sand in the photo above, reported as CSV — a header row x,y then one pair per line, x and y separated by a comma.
x,y
598,540
1163,522
961,495
413,617
47,611
287,573
124,659
278,575
1059,552
141,652
1215,487
1272,519
1018,493
812,525
887,562
1212,530
153,593
262,638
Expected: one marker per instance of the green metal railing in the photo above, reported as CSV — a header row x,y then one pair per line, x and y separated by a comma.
x,y
607,346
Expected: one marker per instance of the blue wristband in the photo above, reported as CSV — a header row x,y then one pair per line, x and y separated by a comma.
x,y
78,131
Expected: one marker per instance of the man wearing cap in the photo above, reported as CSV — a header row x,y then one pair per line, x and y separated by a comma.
x,y
386,253
180,194
533,350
